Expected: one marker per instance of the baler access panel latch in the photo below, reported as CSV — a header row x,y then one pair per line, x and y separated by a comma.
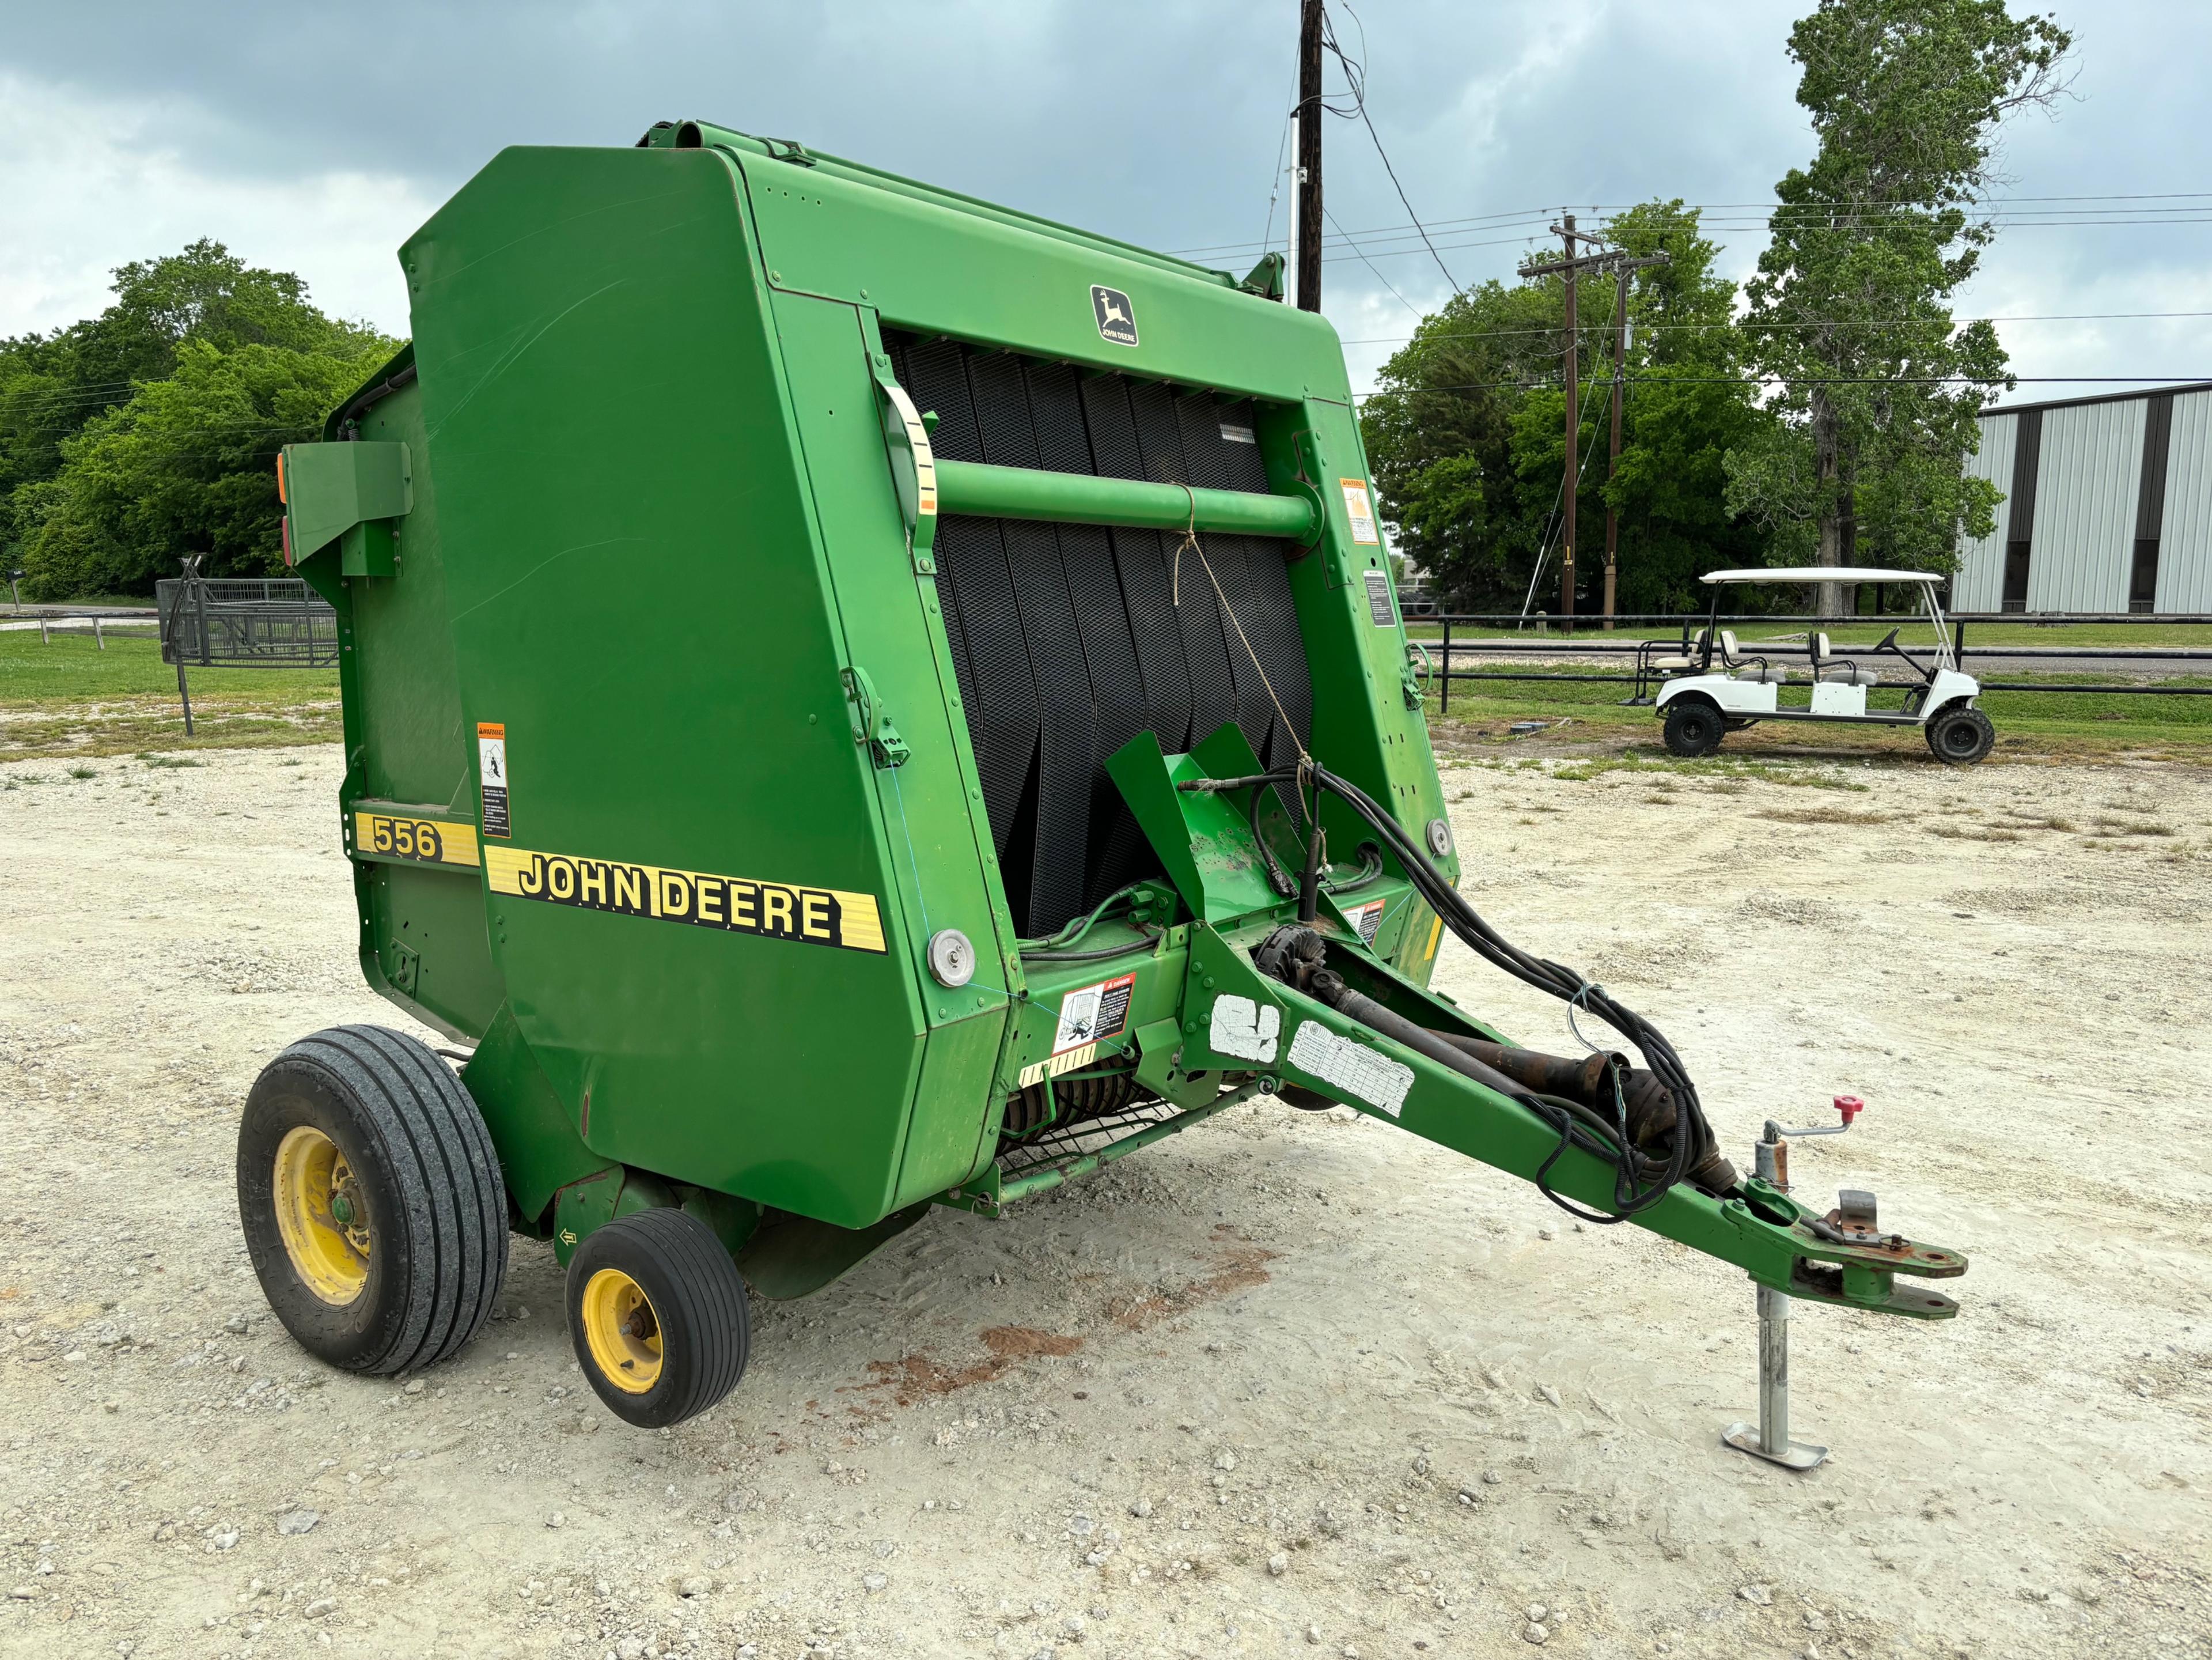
x,y
871,724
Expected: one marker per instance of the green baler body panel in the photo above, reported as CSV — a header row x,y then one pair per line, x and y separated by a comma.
x,y
654,528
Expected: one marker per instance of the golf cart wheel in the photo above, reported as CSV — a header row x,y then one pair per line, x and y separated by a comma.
x,y
1960,736
1693,729
371,1199
657,1314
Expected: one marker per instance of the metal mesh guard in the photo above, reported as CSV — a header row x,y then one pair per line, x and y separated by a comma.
x,y
1087,1137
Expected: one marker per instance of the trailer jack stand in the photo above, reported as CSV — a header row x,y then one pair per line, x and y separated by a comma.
x,y
1769,1438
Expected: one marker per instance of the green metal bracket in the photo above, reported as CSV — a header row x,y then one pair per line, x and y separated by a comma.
x,y
539,1149
872,723
1204,838
329,490
1313,473
1266,278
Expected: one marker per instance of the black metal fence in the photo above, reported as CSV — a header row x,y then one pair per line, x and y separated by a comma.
x,y
1541,637
245,622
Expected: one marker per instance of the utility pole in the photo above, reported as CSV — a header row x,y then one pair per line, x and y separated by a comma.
x,y
1567,488
1309,113
1612,458
1571,265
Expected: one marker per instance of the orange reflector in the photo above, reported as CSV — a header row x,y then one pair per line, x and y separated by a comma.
x,y
280,479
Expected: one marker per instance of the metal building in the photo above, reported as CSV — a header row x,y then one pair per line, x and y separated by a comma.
x,y
2107,507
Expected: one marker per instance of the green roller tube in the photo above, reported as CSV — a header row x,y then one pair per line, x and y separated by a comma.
x,y
972,487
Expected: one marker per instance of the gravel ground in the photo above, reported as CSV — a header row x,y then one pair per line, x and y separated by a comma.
x,y
1287,1384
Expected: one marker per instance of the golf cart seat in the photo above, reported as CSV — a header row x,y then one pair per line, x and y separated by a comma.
x,y
1691,657
1838,672
1749,668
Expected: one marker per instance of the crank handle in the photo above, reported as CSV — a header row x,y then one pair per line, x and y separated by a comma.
x,y
1848,1105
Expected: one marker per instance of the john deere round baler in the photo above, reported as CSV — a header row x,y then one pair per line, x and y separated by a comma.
x,y
859,700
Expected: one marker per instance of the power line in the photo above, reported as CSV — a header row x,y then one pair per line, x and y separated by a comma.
x,y
1847,208
1355,76
1380,278
1533,383
1818,323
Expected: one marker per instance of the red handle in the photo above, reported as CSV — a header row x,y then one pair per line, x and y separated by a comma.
x,y
1851,1106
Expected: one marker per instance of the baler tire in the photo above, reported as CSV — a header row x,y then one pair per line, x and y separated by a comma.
x,y
409,1273
695,1299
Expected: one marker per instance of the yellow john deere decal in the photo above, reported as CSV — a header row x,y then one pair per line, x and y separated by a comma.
x,y
780,910
419,839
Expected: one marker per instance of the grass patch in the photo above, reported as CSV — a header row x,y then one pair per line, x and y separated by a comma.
x,y
1912,633
1971,833
2045,724
1822,816
68,700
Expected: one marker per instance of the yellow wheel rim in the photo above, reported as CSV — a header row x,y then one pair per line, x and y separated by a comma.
x,y
322,1215
621,1331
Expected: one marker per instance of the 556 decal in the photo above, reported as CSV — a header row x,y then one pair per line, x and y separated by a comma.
x,y
387,835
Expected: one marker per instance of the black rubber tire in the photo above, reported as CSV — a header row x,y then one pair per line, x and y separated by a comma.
x,y
1959,735
436,1201
1693,728
698,1300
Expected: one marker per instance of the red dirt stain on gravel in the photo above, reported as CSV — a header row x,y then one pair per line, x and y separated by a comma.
x,y
916,1376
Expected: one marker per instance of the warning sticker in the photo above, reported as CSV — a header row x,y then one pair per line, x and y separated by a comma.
x,y
1091,1013
1362,509
1378,599
422,840
1367,919
1352,1069
737,904
491,770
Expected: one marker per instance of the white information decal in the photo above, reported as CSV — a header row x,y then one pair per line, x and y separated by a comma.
x,y
1357,504
1366,918
1244,1028
1353,1068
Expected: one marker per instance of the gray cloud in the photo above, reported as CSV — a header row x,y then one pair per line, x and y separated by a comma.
x,y
315,139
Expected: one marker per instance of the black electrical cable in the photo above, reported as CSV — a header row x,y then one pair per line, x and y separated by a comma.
x,y
1639,1182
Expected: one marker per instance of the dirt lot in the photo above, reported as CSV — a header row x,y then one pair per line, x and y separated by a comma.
x,y
1286,1384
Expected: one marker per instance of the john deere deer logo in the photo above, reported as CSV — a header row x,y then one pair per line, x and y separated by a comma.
x,y
1116,322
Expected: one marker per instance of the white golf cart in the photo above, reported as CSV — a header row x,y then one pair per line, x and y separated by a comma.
x,y
1710,687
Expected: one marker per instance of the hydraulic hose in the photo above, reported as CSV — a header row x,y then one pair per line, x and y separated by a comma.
x,y
1639,1182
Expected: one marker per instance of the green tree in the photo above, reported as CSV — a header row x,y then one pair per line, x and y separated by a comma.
x,y
1466,435
1850,311
188,465
71,402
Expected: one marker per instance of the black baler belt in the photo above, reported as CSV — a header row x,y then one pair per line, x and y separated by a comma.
x,y
1053,643
1212,682
1118,854
971,561
1140,562
1065,639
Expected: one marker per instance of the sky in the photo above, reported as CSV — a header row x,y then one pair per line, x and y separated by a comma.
x,y
314,139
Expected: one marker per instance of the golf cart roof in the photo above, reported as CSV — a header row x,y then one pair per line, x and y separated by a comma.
x,y
1821,574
